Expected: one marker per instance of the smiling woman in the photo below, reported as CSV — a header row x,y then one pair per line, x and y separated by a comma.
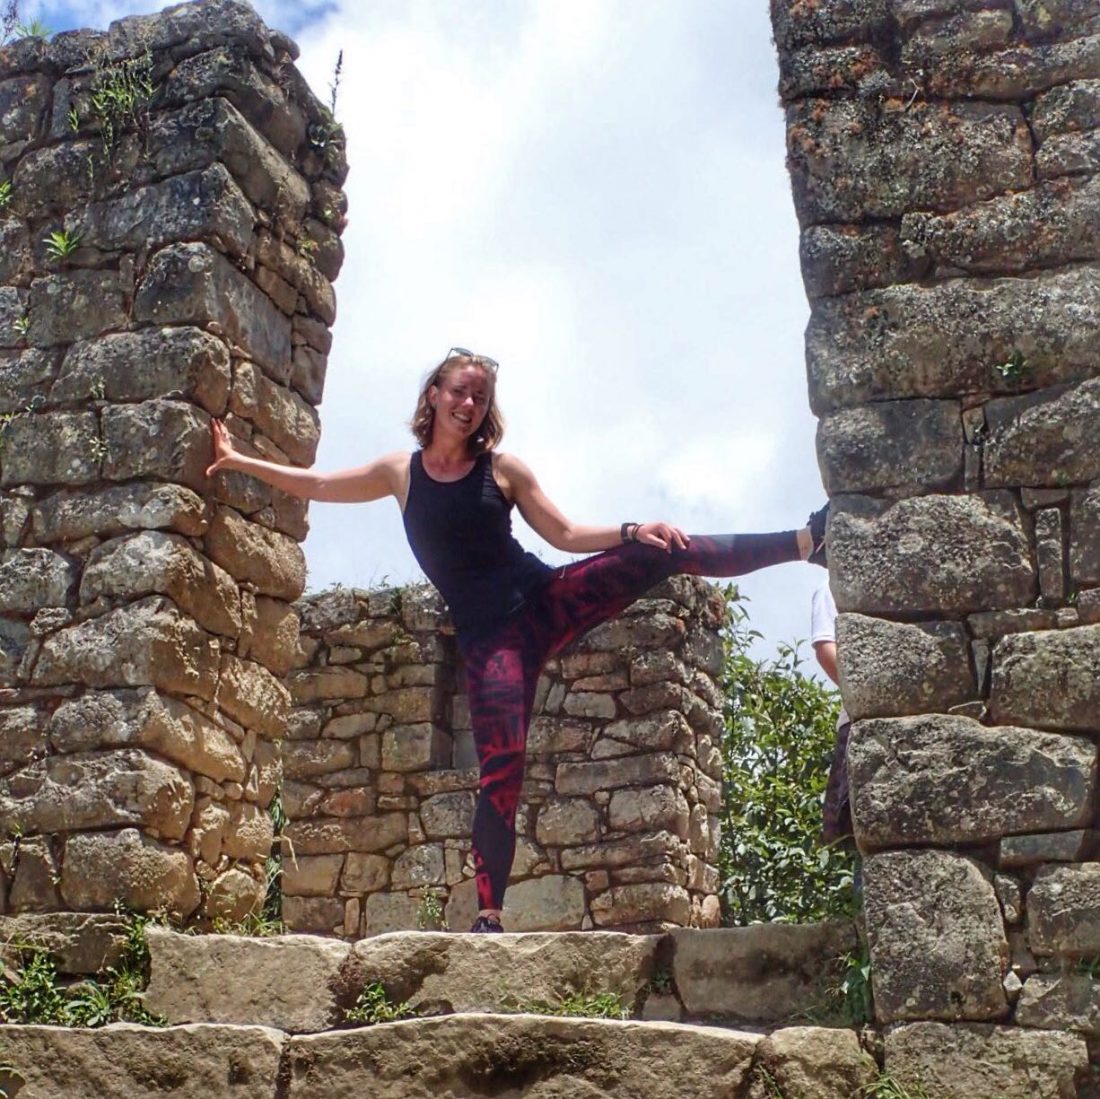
x,y
511,611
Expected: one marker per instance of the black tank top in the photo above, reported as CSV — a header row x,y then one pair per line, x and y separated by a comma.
x,y
460,532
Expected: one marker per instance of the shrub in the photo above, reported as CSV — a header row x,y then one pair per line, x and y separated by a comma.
x,y
780,728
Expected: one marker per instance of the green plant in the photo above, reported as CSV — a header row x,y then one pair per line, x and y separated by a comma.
x,y
1015,368
579,1003
374,1006
34,29
780,731
74,118
98,389
120,94
5,193
853,992
661,982
30,991
429,913
22,325
886,1087
61,244
307,248
9,1075
97,449
324,135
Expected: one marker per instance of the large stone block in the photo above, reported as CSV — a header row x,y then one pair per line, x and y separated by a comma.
x,y
815,1062
1049,678
797,24
949,338
587,778
333,835
103,869
154,562
205,205
763,973
24,375
1046,438
916,445
193,284
1052,224
144,643
564,822
214,130
946,780
34,578
59,448
68,516
938,947
1060,1001
855,159
22,737
279,413
1017,72
449,815
270,561
650,903
553,902
227,73
968,1062
271,626
252,696
185,29
888,669
23,104
15,639
81,944
1070,108
290,983
143,718
1084,546
589,1057
139,366
75,305
1068,154
930,555
1063,910
644,808
164,440
98,790
127,1061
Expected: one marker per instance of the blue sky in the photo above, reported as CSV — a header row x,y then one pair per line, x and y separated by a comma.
x,y
593,192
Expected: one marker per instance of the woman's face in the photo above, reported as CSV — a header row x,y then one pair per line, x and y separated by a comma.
x,y
461,400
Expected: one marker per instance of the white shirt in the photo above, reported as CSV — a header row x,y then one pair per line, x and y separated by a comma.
x,y
823,628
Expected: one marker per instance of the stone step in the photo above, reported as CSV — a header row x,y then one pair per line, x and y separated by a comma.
x,y
454,1056
760,976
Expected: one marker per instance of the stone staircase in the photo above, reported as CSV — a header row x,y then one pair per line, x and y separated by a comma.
x,y
727,1014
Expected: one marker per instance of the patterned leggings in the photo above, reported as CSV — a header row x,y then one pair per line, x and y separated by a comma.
x,y
503,669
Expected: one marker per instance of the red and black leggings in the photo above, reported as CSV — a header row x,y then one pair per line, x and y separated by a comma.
x,y
503,669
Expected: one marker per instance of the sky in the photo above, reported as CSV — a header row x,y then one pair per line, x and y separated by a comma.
x,y
592,192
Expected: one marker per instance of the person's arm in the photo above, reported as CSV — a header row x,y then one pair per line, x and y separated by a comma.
x,y
373,481
825,651
549,523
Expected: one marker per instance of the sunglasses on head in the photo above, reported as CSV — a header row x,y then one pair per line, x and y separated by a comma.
x,y
481,360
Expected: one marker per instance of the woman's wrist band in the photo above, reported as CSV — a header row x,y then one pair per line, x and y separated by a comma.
x,y
628,532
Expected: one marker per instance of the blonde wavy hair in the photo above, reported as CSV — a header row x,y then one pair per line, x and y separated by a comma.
x,y
491,429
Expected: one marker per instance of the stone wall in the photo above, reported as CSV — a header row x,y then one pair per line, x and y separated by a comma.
x,y
618,825
191,185
943,155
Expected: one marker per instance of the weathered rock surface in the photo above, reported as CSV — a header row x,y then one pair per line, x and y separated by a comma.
x,y
965,1062
1049,678
938,946
1062,910
523,1054
1060,1001
291,983
944,780
889,669
812,1062
881,555
132,1062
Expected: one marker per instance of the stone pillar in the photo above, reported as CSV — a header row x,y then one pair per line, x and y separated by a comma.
x,y
943,157
169,237
618,826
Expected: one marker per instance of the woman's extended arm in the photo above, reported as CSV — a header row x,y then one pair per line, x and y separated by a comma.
x,y
549,523
382,477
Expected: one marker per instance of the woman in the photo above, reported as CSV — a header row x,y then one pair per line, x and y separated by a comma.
x,y
511,611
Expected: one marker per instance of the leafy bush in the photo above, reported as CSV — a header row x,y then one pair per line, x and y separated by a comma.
x,y
374,1006
780,728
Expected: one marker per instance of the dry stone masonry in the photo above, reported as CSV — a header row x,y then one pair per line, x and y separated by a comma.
x,y
944,158
169,233
618,826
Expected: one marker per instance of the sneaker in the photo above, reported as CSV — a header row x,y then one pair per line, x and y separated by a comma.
x,y
816,523
486,925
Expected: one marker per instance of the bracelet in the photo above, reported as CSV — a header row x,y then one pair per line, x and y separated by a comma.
x,y
628,532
